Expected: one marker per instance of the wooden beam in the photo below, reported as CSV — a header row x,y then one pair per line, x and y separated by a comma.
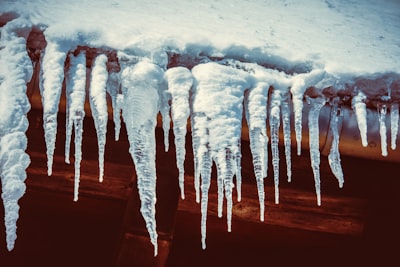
x,y
297,209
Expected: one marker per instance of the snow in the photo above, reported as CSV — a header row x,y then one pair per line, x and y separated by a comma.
x,y
206,61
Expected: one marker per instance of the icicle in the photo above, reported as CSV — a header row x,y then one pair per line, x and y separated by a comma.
x,y
313,128
394,124
140,85
359,107
51,79
300,83
98,105
334,155
256,100
75,91
205,163
180,82
217,117
274,122
15,72
287,140
117,98
164,105
382,109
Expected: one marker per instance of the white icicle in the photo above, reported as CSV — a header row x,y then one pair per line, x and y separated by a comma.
x,y
287,139
382,129
313,128
256,99
15,72
51,79
394,124
300,83
140,86
274,123
334,155
98,105
180,81
360,109
117,98
75,91
217,117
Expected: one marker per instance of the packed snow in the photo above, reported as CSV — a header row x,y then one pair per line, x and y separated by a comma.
x,y
211,63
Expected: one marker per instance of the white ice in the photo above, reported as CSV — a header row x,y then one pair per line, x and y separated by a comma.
x,y
313,131
394,124
255,103
217,117
300,83
15,72
51,79
180,81
98,105
274,123
287,139
360,109
334,155
75,83
140,85
382,109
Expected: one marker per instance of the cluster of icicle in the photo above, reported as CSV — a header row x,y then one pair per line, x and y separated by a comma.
x,y
212,95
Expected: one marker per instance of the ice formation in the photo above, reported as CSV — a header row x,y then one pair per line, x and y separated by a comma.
x,y
313,130
211,92
98,105
141,83
75,83
180,81
334,155
217,131
15,72
360,109
394,124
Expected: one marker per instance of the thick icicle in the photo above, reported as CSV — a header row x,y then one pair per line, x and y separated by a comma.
x,y
360,109
180,81
75,91
394,124
313,128
382,109
300,83
98,105
51,79
256,99
274,123
217,117
140,86
287,139
15,72
334,155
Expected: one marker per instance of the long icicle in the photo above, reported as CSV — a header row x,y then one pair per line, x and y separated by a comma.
x,y
140,85
180,82
76,92
394,124
255,103
313,128
17,65
334,155
98,105
51,79
382,109
287,139
274,122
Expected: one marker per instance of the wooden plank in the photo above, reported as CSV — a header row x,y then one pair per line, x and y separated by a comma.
x,y
117,182
297,209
